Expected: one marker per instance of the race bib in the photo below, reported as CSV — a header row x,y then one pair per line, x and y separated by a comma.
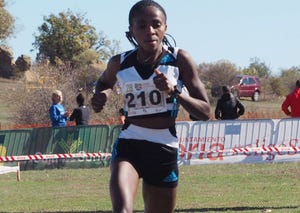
x,y
143,98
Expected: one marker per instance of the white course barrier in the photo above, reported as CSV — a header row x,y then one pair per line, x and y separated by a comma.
x,y
239,141
287,132
228,141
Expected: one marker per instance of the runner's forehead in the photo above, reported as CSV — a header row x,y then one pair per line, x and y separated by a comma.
x,y
149,14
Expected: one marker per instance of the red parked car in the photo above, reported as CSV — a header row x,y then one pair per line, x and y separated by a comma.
x,y
247,86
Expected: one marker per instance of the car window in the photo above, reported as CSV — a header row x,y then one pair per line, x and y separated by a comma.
x,y
245,81
251,81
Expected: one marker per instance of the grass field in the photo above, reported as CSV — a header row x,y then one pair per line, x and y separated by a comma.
x,y
206,188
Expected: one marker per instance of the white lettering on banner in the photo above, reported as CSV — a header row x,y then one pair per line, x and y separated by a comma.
x,y
201,139
258,141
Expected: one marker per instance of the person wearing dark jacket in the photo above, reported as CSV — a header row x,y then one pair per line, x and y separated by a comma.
x,y
228,106
81,114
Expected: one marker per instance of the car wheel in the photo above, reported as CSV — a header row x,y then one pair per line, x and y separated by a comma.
x,y
255,96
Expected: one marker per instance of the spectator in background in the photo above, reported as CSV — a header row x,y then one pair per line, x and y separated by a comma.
x,y
57,112
81,114
228,106
291,104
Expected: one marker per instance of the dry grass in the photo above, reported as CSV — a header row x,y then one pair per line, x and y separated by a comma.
x,y
265,109
9,89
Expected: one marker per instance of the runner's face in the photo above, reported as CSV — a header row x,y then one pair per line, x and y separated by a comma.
x,y
149,28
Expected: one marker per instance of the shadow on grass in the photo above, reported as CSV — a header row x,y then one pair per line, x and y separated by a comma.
x,y
224,209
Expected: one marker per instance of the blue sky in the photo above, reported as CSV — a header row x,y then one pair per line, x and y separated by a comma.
x,y
210,30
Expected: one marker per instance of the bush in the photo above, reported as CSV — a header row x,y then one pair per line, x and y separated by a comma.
x,y
32,105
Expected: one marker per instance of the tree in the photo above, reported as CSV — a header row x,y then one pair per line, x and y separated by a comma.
x,y
215,75
288,78
6,23
86,58
62,38
107,48
276,86
258,68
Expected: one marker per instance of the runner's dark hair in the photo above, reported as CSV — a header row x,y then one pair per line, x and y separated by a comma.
x,y
80,99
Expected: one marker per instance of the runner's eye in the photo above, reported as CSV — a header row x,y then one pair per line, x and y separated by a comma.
x,y
156,24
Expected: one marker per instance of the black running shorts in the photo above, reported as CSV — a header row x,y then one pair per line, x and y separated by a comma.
x,y
155,163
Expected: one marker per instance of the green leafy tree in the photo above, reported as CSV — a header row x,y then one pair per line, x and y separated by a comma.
x,y
86,58
107,48
6,23
62,38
